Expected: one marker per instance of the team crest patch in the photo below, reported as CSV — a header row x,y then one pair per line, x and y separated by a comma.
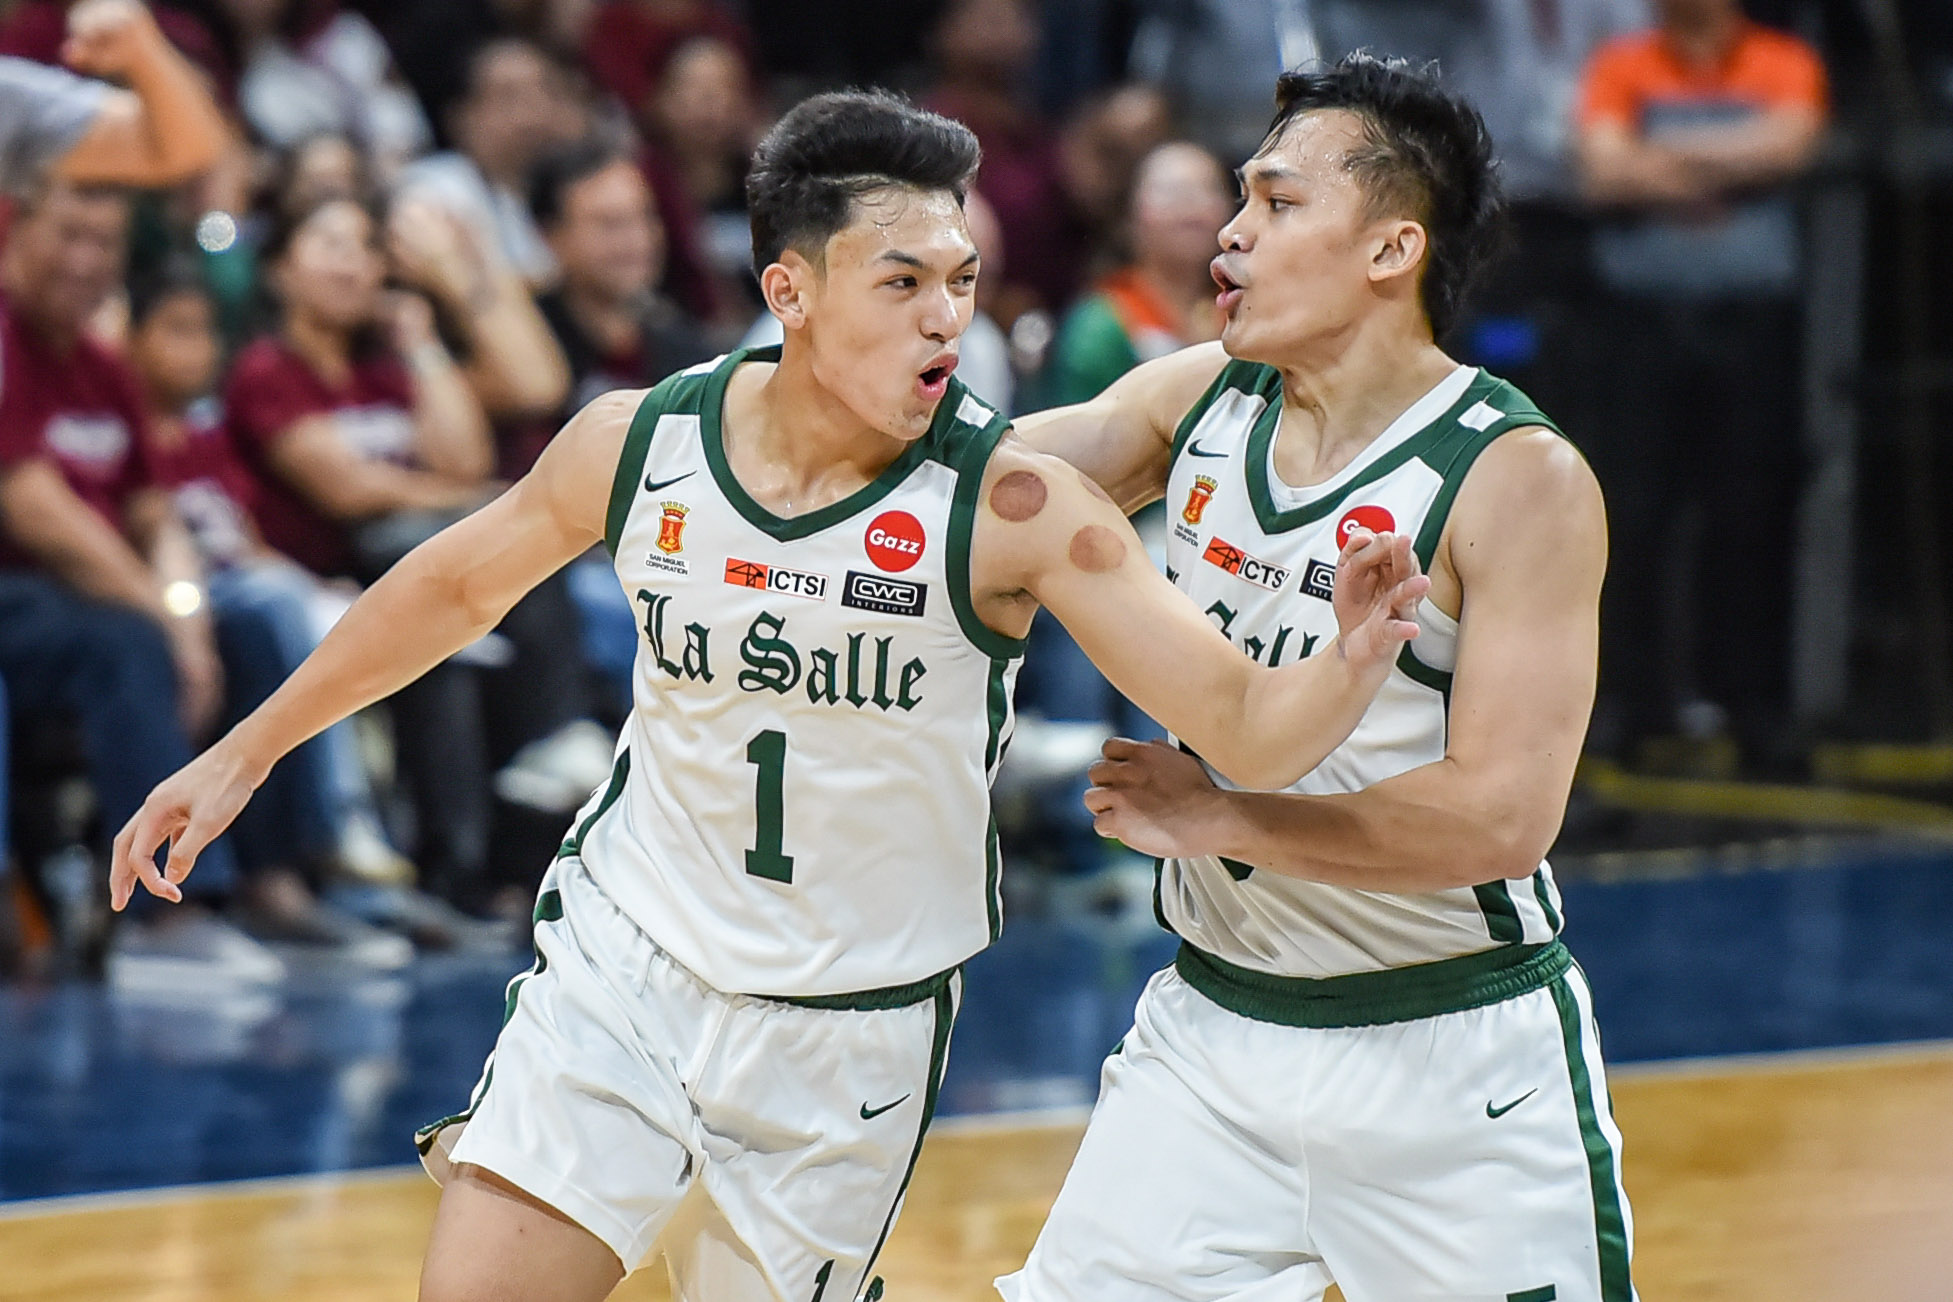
x,y
1198,497
671,528
1243,566
776,578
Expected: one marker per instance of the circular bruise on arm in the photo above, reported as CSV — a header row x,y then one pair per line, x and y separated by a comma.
x,y
1018,495
1096,549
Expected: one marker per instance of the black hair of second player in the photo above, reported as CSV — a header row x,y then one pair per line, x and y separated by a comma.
x,y
830,150
1426,152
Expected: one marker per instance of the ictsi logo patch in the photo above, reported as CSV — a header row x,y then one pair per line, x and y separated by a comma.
x,y
894,541
1243,566
1373,518
776,578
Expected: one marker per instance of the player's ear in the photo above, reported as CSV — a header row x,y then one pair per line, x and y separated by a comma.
x,y
785,285
1399,249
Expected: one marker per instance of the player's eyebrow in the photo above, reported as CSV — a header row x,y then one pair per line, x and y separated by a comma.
x,y
911,260
1265,172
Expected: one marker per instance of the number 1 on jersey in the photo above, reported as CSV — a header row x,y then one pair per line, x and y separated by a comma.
x,y
768,752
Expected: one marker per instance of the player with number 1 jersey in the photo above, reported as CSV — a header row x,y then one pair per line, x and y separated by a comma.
x,y
747,949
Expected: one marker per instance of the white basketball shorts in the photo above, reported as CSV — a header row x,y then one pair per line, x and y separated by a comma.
x,y
622,1087
1469,1156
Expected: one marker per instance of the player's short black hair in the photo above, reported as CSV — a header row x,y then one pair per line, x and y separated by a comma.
x,y
559,171
1426,154
830,150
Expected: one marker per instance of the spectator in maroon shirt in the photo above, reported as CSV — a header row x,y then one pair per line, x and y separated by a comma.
x,y
326,798
353,410
102,618
366,438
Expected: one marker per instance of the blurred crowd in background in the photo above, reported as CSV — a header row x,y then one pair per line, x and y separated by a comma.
x,y
326,274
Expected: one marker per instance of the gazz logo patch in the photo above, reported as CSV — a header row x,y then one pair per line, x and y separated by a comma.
x,y
883,595
776,578
1319,580
1243,566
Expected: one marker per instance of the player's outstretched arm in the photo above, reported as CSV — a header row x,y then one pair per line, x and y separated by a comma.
x,y
1046,535
444,594
1528,542
1123,439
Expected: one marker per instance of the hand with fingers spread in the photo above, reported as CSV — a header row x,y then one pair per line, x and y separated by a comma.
x,y
1155,798
189,810
1378,587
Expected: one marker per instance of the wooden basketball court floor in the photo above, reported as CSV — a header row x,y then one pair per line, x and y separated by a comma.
x,y
1795,1178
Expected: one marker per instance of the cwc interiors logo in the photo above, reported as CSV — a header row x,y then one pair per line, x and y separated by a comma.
x,y
894,541
1198,497
671,527
1373,518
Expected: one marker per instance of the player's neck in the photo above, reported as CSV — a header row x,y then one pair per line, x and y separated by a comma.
x,y
794,446
1337,400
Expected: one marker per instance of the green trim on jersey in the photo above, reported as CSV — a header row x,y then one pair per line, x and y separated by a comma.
x,y
658,401
1463,455
619,773
786,529
1610,1223
1501,914
869,1001
1398,994
946,1001
969,460
998,697
1225,380
549,908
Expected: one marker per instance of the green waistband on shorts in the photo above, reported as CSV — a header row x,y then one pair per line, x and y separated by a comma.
x,y
1399,994
869,1001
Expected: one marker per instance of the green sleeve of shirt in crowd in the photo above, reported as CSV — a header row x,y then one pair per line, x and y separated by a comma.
x,y
1092,351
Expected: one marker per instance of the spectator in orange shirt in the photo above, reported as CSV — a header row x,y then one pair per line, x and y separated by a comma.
x,y
1687,136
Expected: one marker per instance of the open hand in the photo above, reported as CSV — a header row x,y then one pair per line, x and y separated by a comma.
x,y
1155,798
189,810
1378,588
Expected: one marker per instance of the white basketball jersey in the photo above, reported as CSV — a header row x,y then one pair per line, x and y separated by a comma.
x,y
801,802
1259,557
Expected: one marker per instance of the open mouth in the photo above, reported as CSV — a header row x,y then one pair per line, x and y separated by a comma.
x,y
933,380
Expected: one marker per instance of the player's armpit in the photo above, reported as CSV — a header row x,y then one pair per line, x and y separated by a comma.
x,y
1045,532
1123,439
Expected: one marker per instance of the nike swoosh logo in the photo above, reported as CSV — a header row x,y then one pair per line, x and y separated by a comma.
x,y
1496,1113
658,485
1194,449
869,1114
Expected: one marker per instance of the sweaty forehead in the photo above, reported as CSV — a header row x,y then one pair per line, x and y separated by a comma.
x,y
1315,145
924,224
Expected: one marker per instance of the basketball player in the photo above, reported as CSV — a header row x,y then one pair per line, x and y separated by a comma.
x,y
747,949
1373,1061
